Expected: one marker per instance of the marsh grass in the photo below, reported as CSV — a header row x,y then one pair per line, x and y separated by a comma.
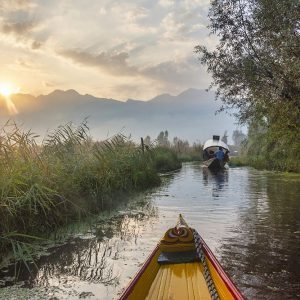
x,y
166,159
260,162
67,177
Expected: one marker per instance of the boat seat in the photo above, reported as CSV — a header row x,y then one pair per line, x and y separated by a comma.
x,y
177,257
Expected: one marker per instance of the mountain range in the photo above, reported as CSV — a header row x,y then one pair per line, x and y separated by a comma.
x,y
189,115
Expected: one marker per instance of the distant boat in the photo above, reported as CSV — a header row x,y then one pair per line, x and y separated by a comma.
x,y
181,267
209,149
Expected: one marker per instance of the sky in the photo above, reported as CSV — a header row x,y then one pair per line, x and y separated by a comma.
x,y
108,48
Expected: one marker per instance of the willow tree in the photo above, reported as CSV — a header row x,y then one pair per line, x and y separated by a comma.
x,y
256,64
256,69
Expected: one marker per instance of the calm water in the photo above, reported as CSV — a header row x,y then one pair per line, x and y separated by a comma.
x,y
250,219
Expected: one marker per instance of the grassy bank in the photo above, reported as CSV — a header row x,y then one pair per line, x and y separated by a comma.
x,y
237,161
188,157
262,163
67,177
269,148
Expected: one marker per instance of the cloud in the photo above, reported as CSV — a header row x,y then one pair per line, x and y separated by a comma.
x,y
25,64
36,45
23,31
18,28
184,3
182,24
185,72
174,74
114,64
22,24
166,3
19,20
136,14
128,43
49,84
15,5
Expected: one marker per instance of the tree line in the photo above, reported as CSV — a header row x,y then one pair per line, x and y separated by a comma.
x,y
186,151
183,149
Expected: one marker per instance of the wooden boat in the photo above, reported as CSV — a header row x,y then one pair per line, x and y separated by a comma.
x,y
181,267
214,164
209,148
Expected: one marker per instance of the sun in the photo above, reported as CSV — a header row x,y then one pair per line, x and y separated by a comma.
x,y
6,89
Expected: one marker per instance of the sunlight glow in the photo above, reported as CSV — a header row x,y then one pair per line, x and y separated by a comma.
x,y
6,89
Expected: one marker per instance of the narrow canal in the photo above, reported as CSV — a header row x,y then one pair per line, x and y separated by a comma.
x,y
249,218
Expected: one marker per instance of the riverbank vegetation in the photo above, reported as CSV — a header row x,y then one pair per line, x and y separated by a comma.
x,y
255,68
67,177
182,148
265,149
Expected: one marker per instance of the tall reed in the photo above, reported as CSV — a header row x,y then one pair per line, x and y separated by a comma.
x,y
66,177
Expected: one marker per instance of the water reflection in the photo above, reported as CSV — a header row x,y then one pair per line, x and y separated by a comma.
x,y
264,255
92,256
85,259
250,220
217,179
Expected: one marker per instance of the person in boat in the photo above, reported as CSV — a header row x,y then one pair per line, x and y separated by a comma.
x,y
226,156
220,154
205,155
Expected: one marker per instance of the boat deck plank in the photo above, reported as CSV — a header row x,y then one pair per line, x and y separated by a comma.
x,y
179,281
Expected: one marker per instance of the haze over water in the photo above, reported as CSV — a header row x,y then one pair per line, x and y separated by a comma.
x,y
249,218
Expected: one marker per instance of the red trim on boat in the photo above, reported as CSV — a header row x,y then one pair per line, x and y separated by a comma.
x,y
130,287
230,285
228,282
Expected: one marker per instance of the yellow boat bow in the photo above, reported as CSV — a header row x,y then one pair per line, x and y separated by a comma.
x,y
181,267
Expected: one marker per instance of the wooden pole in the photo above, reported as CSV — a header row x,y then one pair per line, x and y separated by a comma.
x,y
142,144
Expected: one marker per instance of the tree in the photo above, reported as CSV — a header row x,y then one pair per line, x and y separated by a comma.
x,y
224,137
255,68
238,137
147,140
162,139
256,64
180,145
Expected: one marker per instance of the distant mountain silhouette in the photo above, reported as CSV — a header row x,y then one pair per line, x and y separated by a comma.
x,y
189,115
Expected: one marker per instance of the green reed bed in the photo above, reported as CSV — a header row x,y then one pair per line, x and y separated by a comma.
x,y
66,177
190,156
165,159
260,162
